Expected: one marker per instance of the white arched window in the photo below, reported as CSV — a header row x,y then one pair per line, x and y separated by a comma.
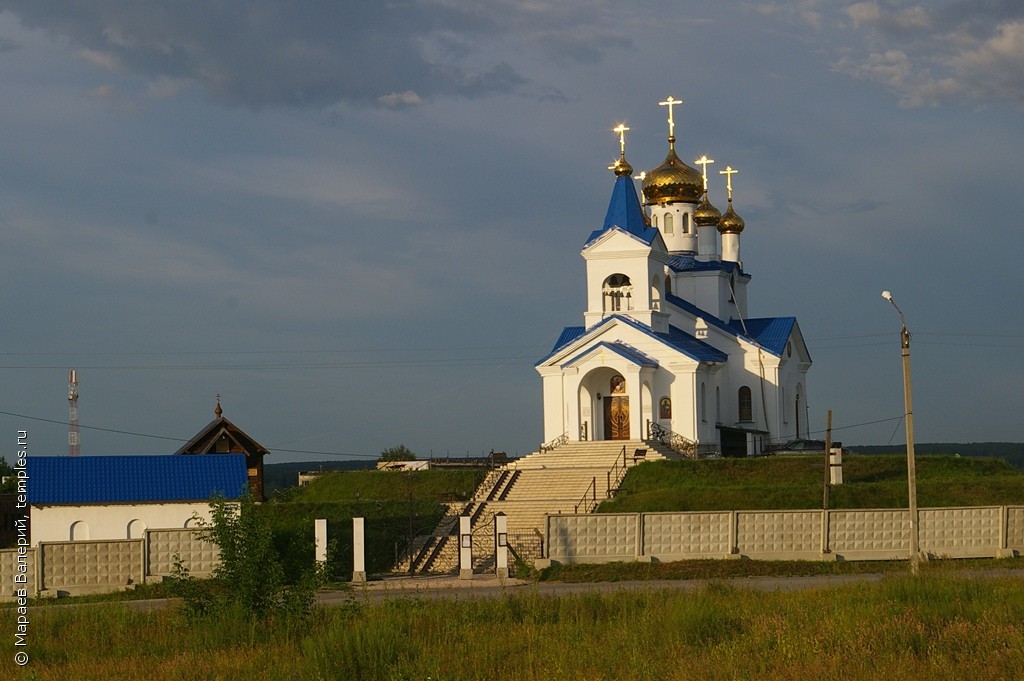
x,y
746,404
703,403
668,223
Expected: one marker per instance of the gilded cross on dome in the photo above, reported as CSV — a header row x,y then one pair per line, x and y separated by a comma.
x,y
671,102
621,129
728,172
704,162
621,167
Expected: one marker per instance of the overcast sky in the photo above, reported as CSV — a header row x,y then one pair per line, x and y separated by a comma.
x,y
360,222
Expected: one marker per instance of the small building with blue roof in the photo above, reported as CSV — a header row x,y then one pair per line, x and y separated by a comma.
x,y
667,345
75,498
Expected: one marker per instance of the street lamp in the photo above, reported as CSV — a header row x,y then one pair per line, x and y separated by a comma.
x,y
915,556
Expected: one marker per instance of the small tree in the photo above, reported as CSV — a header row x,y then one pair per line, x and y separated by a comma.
x,y
250,575
399,453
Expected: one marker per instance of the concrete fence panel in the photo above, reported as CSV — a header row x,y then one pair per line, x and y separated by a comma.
x,y
91,566
961,532
13,576
779,534
1015,528
678,536
598,537
869,534
198,556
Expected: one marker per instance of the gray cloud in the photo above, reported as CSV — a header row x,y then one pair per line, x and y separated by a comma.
x,y
930,54
323,52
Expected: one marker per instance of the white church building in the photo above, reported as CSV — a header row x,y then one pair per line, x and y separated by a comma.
x,y
667,349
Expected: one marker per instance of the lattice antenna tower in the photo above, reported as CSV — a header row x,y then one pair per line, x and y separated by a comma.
x,y
74,446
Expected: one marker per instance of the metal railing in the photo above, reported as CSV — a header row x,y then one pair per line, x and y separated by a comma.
x,y
678,443
617,473
557,442
591,503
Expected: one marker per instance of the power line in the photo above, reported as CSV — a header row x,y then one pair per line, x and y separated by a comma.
x,y
178,439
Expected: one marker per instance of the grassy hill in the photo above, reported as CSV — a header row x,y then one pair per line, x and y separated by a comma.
x,y
394,504
870,481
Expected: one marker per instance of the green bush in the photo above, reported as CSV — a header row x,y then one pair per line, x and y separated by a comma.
x,y
250,578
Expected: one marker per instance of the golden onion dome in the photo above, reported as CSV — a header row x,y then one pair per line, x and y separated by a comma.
x,y
621,167
706,215
673,181
731,223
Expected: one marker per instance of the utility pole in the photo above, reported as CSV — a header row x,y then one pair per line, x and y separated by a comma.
x,y
915,555
828,459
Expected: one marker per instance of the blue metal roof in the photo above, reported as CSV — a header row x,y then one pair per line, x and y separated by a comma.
x,y
119,479
772,333
569,334
693,347
625,213
688,262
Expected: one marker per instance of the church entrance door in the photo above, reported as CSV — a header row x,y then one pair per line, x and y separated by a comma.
x,y
616,418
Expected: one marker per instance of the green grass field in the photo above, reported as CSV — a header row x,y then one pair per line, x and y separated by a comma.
x,y
934,627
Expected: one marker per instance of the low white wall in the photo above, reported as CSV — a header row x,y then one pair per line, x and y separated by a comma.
x,y
110,521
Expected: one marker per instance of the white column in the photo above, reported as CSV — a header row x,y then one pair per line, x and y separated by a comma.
x,y
358,551
501,545
321,540
731,247
465,548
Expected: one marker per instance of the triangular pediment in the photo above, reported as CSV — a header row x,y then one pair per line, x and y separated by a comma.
x,y
618,241
625,338
221,436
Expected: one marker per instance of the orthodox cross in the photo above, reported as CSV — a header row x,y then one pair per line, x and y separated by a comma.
x,y
671,102
621,129
704,162
728,172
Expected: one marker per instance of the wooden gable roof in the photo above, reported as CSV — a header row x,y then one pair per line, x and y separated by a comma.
x,y
221,436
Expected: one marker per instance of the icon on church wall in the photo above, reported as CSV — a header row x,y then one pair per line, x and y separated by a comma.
x,y
665,408
618,385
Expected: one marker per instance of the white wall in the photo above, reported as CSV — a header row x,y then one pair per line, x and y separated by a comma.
x,y
110,521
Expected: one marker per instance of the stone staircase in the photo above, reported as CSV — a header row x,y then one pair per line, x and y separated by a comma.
x,y
572,478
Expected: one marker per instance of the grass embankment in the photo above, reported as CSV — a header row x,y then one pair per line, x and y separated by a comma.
x,y
936,626
797,483
393,503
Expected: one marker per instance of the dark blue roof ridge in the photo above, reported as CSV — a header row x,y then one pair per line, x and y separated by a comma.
x,y
624,350
675,338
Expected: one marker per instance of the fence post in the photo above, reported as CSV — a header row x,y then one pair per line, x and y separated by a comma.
x,y
358,551
465,548
320,525
501,545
